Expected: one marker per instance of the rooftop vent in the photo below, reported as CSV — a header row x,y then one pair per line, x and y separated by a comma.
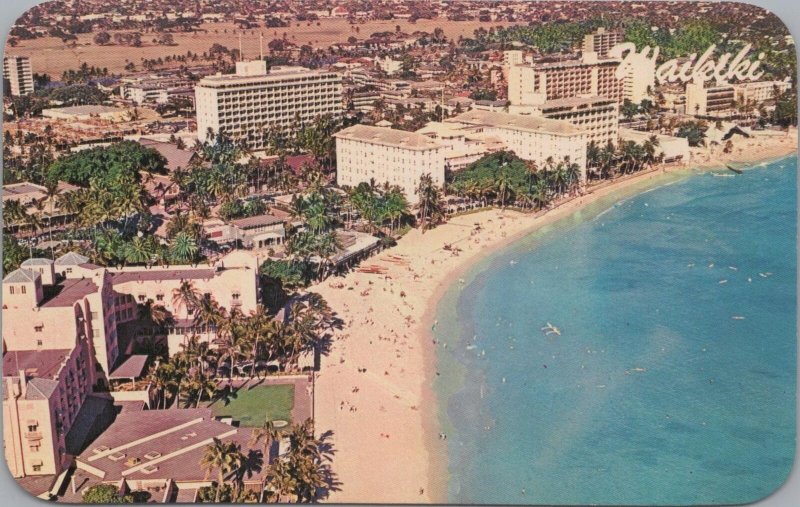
x,y
116,456
152,455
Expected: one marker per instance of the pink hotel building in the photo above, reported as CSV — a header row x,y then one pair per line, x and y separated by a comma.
x,y
60,339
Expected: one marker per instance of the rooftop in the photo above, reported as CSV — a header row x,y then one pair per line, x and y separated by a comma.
x,y
132,367
577,102
388,137
274,74
156,444
516,122
154,274
22,275
176,158
43,364
85,110
256,221
68,292
71,259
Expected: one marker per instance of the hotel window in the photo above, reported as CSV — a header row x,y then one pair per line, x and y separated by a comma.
x,y
159,297
142,297
23,289
69,270
37,467
39,343
33,426
38,328
35,447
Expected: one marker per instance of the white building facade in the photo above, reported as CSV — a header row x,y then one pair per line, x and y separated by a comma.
x,y
245,104
401,158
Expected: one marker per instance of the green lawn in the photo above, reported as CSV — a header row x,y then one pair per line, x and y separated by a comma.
x,y
251,406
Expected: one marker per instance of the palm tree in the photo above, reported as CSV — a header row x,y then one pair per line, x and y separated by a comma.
x,y
185,296
268,433
184,248
163,378
225,457
430,198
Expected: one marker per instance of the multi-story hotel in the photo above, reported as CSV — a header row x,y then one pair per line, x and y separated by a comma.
x,y
601,41
531,138
17,70
58,292
713,100
245,104
533,84
598,116
63,323
48,366
759,91
365,153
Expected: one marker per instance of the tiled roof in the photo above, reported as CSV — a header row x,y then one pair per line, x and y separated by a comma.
x,y
176,158
71,259
156,274
36,262
41,389
256,221
21,275
516,122
44,364
71,290
172,442
388,137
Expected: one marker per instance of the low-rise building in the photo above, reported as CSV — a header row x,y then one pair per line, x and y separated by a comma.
x,y
83,113
757,92
671,148
159,452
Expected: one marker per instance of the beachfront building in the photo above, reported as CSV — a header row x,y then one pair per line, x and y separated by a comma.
x,y
598,116
246,103
463,144
534,84
706,99
670,148
232,282
533,138
18,75
382,154
757,92
601,41
158,452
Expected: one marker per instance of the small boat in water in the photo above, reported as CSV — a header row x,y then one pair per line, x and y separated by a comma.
x,y
730,167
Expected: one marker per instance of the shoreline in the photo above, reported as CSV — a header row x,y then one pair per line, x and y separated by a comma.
x,y
375,389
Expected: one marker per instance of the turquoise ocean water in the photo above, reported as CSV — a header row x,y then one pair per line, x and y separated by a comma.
x,y
653,393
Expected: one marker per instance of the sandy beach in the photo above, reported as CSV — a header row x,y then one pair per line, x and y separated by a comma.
x,y
374,389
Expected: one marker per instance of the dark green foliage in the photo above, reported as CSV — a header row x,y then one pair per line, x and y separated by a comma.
x,y
110,164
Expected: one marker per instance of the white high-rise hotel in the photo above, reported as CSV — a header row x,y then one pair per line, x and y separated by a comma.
x,y
245,104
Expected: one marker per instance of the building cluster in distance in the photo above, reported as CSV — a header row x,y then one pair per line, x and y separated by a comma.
x,y
404,103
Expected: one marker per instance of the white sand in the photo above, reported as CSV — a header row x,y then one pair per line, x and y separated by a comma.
x,y
384,419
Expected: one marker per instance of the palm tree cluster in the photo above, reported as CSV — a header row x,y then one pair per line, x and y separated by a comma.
x,y
378,206
624,158
236,342
502,178
301,474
